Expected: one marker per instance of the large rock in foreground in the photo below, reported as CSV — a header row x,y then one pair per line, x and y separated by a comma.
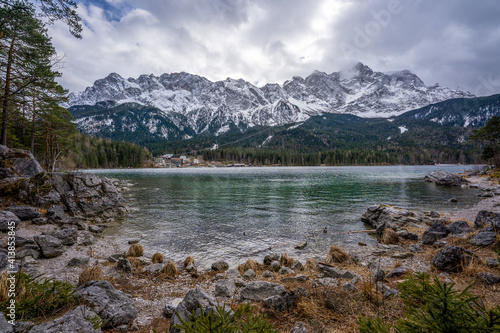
x,y
17,163
113,306
452,259
77,320
381,216
442,177
194,299
8,219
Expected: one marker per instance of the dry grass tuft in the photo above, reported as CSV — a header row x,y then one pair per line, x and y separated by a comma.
x,y
389,236
111,280
249,264
157,258
286,260
170,269
336,255
189,260
311,265
93,273
4,287
135,250
136,263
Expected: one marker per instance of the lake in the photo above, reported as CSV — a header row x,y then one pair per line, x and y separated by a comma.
x,y
235,213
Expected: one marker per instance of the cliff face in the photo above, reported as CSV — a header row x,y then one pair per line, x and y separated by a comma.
x,y
23,181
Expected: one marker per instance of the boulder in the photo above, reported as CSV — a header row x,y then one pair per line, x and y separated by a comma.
x,y
285,270
67,236
442,177
398,271
4,260
170,306
77,320
50,246
485,219
299,327
492,262
220,266
78,262
73,221
452,258
24,212
298,278
484,237
297,266
284,302
268,259
88,240
5,327
28,251
124,265
152,268
257,291
40,221
459,227
113,306
301,246
327,282
194,299
8,219
336,273
379,275
405,234
267,274
22,326
225,288
382,216
275,266
489,278
21,241
415,248
434,233
21,162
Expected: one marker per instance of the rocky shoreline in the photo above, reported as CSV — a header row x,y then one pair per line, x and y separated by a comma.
x,y
60,219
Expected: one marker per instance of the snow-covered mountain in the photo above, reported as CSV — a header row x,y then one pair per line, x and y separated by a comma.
x,y
215,107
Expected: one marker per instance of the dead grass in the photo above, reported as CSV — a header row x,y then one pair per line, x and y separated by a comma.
x,y
286,260
249,264
188,261
157,258
136,263
170,269
389,236
135,250
311,265
337,255
4,287
92,273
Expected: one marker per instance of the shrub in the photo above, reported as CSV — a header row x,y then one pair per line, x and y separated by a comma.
x,y
438,308
157,258
222,321
336,255
136,263
93,273
170,269
135,250
35,299
389,236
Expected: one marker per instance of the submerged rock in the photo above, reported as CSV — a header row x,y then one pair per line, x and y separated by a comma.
x,y
442,177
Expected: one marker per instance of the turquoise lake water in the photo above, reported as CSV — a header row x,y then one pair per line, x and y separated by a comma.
x,y
232,213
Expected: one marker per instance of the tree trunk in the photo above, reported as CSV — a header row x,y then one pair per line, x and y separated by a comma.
x,y
5,104
33,127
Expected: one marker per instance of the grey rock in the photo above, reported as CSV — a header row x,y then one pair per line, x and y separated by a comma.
x,y
96,228
88,240
442,177
451,258
8,219
382,216
484,237
191,268
194,299
459,227
379,275
133,241
349,287
285,270
335,272
225,288
4,260
275,266
405,234
453,200
152,268
486,194
490,262
382,287
249,274
40,221
78,262
327,282
268,259
56,213
257,291
170,306
402,255
486,219
23,163
415,248
301,246
67,236
22,326
5,327
24,212
233,274
76,221
398,271
297,266
298,278
122,328
219,276
489,278
73,321
21,241
434,214
434,233
285,302
50,246
115,257
220,266
391,292
113,306
27,251
299,327
268,274
124,265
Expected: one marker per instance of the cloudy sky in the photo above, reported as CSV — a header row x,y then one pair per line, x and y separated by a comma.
x,y
454,42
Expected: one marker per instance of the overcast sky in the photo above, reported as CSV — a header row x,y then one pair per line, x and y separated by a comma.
x,y
455,43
